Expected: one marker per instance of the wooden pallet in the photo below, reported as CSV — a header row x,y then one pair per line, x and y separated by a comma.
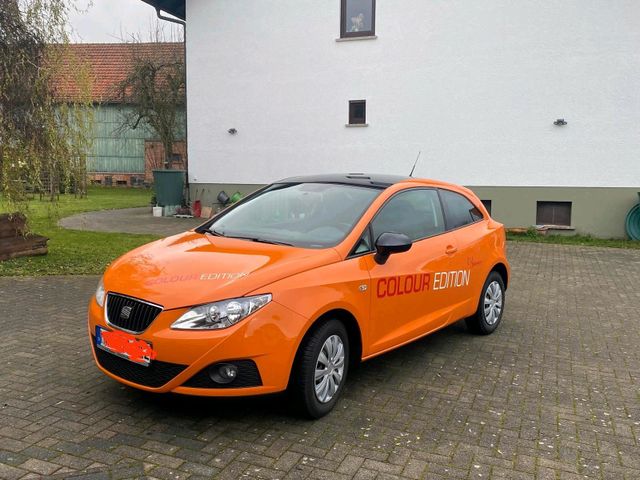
x,y
15,241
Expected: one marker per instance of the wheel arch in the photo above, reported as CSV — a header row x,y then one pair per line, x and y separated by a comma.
x,y
353,331
502,270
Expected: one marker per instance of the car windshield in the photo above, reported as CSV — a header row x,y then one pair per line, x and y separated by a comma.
x,y
310,215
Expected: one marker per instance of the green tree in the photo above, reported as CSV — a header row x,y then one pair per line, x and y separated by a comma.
x,y
43,140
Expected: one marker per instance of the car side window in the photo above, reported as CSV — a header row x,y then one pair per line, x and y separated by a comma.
x,y
364,244
459,210
416,213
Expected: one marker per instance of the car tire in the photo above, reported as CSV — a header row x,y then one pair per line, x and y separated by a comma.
x,y
490,306
325,348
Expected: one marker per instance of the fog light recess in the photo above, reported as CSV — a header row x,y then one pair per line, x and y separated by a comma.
x,y
223,373
241,373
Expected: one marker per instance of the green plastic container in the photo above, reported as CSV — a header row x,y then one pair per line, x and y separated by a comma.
x,y
169,187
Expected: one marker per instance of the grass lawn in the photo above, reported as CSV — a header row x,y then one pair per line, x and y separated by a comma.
x,y
73,252
573,240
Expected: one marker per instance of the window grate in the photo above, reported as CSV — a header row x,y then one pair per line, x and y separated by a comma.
x,y
553,213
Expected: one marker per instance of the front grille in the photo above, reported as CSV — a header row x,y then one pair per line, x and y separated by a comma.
x,y
248,376
155,375
136,316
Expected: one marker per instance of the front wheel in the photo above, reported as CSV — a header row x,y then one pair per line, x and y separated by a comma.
x,y
490,307
321,369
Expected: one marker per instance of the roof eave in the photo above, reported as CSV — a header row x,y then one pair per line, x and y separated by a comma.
x,y
172,7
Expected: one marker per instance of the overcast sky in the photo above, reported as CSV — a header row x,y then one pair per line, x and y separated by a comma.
x,y
114,20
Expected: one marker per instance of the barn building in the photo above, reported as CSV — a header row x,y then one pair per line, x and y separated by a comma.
x,y
119,155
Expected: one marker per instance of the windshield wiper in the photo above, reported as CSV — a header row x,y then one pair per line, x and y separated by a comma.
x,y
218,233
262,240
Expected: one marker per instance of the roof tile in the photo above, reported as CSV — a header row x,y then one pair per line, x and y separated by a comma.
x,y
109,64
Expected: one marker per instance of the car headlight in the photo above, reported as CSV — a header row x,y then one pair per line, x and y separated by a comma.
x,y
100,293
217,315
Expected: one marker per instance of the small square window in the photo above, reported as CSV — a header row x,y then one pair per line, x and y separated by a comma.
x,y
487,205
358,18
357,112
554,213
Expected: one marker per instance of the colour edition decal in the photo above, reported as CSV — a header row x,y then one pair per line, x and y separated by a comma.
x,y
196,276
455,279
404,284
421,282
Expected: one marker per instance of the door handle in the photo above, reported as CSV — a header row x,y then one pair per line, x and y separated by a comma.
x,y
450,250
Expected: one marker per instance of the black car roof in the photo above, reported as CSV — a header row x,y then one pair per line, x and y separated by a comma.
x,y
362,179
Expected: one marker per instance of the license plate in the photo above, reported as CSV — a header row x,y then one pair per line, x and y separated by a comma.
x,y
125,345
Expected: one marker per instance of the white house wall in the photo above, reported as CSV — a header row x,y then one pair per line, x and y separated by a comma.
x,y
475,85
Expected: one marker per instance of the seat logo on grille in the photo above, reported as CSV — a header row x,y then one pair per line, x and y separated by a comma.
x,y
125,313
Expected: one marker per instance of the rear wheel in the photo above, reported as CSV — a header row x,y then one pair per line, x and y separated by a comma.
x,y
321,369
490,307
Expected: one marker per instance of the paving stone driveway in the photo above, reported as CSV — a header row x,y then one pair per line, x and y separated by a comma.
x,y
129,220
553,394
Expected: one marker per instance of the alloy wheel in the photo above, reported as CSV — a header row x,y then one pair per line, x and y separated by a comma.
x,y
329,368
493,303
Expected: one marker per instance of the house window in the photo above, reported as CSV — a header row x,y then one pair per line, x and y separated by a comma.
x,y
487,205
358,112
358,18
554,213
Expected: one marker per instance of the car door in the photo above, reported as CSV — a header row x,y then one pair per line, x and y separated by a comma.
x,y
403,303
470,264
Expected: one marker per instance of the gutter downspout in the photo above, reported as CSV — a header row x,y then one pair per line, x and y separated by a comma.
x,y
186,123
169,19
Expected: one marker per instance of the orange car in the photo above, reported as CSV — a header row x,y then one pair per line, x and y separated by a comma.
x,y
294,284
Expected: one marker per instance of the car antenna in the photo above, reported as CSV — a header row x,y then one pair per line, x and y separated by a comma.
x,y
415,163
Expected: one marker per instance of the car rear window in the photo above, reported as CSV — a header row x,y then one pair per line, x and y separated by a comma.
x,y
459,210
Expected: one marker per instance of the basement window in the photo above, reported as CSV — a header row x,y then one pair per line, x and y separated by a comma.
x,y
554,213
487,205
358,18
358,112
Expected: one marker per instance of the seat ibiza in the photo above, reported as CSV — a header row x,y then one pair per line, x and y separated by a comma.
x,y
291,286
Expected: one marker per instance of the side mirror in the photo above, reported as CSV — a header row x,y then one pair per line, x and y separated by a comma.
x,y
390,243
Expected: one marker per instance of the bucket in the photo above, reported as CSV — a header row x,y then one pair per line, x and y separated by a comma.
x,y
170,210
157,211
197,209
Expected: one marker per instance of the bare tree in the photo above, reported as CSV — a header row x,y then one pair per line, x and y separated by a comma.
x,y
153,94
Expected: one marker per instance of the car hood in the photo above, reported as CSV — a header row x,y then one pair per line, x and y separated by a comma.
x,y
193,268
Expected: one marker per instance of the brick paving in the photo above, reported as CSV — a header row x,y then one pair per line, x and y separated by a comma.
x,y
553,394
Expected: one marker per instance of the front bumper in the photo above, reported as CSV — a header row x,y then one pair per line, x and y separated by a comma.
x,y
268,340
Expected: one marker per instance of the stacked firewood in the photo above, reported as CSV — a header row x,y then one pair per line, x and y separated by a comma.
x,y
16,241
